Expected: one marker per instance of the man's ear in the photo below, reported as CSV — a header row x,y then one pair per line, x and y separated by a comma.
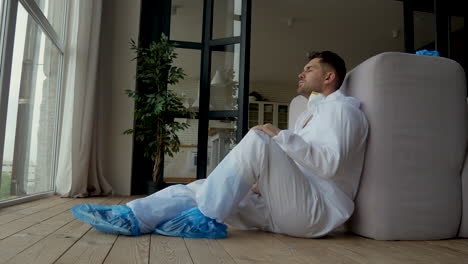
x,y
330,77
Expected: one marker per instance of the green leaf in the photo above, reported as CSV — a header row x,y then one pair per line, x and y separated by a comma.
x,y
129,131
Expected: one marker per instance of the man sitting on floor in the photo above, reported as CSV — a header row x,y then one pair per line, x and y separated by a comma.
x,y
299,182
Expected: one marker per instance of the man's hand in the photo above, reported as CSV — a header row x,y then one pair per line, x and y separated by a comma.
x,y
269,129
255,189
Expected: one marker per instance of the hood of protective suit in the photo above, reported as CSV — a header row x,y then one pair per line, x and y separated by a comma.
x,y
351,100
318,98
314,99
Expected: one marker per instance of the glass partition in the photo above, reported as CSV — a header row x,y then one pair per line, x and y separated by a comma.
x,y
189,87
221,140
457,39
182,168
424,30
224,86
226,18
186,20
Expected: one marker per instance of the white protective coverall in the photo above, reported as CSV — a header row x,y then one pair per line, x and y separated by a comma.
x,y
308,177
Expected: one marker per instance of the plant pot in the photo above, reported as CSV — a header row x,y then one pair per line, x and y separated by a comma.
x,y
151,187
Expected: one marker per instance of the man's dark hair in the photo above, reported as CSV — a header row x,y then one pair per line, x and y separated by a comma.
x,y
333,60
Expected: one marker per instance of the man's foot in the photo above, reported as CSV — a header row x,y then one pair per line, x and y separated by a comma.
x,y
115,219
192,224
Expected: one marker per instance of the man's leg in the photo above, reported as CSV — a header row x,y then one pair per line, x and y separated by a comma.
x,y
294,206
164,205
232,179
251,214
215,197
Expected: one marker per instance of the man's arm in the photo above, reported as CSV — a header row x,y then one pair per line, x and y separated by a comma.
x,y
322,159
338,130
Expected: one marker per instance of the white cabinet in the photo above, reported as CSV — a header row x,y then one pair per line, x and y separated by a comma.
x,y
261,112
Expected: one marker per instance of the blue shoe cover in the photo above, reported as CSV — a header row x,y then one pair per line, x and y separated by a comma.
x,y
427,52
114,219
192,224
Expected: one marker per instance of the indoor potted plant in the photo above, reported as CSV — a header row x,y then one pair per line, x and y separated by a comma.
x,y
157,106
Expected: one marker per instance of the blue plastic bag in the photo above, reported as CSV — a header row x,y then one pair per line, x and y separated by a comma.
x,y
427,52
192,224
114,219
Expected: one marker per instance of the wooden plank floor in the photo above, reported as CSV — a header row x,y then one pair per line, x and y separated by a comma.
x,y
44,231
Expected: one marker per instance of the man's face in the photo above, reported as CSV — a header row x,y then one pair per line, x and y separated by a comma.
x,y
311,79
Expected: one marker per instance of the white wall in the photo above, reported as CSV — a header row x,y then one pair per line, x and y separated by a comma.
x,y
355,29
120,22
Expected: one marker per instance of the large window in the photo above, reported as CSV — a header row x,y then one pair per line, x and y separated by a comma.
x,y
30,88
2,30
1,10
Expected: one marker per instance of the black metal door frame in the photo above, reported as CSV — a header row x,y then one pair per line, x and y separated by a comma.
x,y
154,20
210,45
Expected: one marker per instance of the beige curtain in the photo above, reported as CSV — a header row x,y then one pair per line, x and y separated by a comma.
x,y
80,156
